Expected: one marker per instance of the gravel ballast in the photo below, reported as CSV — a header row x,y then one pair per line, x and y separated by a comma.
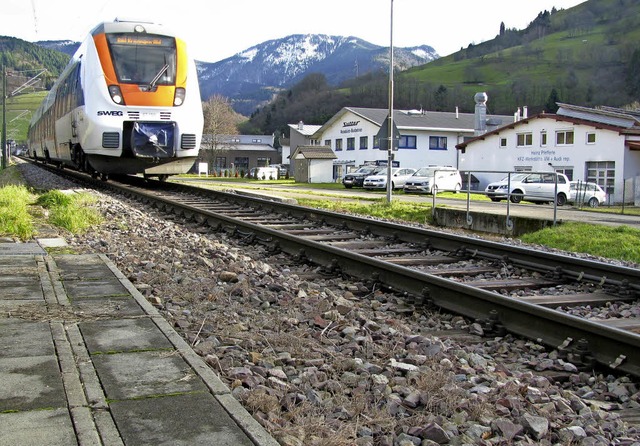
x,y
321,360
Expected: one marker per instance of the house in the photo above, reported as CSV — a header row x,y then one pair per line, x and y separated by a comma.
x,y
238,153
312,164
600,145
426,137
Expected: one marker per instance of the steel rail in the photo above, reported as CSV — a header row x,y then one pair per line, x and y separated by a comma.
x,y
585,342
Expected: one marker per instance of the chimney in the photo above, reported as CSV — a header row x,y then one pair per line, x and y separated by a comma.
x,y
301,126
480,121
525,112
457,114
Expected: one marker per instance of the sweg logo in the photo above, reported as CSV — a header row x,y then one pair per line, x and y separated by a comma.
x,y
350,123
109,113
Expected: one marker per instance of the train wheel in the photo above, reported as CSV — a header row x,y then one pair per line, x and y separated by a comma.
x,y
163,178
104,176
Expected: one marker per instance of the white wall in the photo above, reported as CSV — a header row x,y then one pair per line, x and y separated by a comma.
x,y
352,125
485,155
321,171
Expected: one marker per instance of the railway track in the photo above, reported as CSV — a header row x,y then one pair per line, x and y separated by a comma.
x,y
504,288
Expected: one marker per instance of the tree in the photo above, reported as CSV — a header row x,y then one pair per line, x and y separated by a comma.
x,y
632,78
551,106
502,28
220,121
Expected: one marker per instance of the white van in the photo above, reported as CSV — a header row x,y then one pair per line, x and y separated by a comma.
x,y
264,173
428,180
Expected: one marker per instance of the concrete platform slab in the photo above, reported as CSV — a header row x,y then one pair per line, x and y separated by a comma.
x,y
43,427
21,249
30,383
180,420
56,242
82,267
21,290
144,374
112,307
22,338
109,287
123,335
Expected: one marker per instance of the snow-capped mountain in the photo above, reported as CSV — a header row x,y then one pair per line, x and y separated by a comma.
x,y
251,78
68,47
253,75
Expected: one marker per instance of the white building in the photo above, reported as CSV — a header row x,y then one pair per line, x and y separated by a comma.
x,y
426,137
598,145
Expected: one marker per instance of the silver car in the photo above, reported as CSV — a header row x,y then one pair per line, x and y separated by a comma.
x,y
582,193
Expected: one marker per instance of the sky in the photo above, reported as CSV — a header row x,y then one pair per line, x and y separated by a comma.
x,y
217,29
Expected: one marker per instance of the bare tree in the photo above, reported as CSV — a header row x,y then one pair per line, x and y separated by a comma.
x,y
220,122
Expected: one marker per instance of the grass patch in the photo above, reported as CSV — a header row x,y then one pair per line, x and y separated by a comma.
x,y
71,211
621,242
403,211
15,218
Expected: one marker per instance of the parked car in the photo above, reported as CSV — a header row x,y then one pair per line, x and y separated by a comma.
x,y
283,169
263,173
356,179
379,181
428,180
535,187
586,193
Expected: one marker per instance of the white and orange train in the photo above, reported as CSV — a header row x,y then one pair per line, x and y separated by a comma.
x,y
128,102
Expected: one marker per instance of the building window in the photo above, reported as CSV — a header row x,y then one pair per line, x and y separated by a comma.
x,y
564,137
568,171
591,137
327,142
263,162
364,143
351,144
503,143
524,140
603,173
376,143
338,145
407,142
256,140
437,143
241,163
220,162
543,138
522,168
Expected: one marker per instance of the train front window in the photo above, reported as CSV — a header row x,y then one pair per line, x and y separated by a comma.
x,y
143,59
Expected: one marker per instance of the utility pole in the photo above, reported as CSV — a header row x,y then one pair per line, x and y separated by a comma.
x,y
390,124
4,118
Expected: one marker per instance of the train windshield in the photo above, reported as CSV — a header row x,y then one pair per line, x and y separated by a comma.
x,y
143,59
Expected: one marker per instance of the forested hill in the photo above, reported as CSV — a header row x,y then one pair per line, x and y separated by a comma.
x,y
17,55
586,55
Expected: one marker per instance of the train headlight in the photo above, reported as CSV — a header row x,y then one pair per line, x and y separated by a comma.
x,y
178,99
116,94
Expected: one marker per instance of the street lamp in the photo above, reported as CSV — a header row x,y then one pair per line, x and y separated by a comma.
x,y
390,123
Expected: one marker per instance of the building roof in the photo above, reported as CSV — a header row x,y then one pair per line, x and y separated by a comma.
x,y
314,153
419,119
604,115
556,117
305,129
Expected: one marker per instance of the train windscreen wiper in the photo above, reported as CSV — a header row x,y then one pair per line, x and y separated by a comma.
x,y
155,80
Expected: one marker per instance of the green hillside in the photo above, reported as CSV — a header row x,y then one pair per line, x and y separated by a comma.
x,y
587,55
583,53
22,61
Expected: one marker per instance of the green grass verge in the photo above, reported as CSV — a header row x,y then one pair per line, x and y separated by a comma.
x,y
15,218
72,212
621,242
21,209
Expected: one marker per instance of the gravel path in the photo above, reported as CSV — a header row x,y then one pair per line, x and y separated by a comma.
x,y
331,361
